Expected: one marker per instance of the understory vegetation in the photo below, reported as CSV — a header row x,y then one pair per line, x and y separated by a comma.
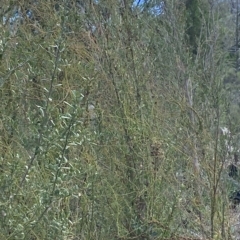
x,y
111,118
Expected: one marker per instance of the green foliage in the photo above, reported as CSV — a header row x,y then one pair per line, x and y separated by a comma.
x,y
105,117
196,21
